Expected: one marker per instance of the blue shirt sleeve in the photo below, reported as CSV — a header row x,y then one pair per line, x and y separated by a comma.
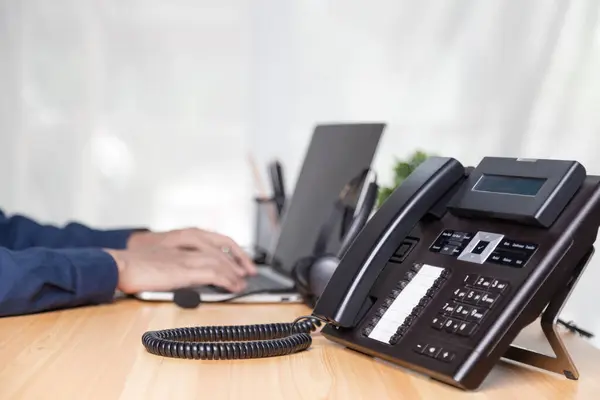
x,y
40,279
19,232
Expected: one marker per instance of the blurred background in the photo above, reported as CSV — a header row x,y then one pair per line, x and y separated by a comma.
x,y
144,112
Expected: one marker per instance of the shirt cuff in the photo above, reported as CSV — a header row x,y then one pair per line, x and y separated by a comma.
x,y
113,239
95,273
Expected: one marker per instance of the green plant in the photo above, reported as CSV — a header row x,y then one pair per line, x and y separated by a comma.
x,y
402,169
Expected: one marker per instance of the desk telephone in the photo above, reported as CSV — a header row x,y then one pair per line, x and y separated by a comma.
x,y
444,275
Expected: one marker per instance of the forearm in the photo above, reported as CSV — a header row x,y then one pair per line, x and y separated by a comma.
x,y
38,279
19,232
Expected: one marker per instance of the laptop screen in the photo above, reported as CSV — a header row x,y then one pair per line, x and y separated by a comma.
x,y
336,154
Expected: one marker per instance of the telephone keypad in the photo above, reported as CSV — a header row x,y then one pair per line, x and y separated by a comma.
x,y
469,305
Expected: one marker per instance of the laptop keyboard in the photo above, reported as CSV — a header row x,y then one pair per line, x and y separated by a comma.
x,y
255,283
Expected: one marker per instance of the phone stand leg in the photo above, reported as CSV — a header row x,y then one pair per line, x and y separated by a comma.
x,y
562,363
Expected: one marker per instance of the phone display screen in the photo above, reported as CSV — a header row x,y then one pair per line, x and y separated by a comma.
x,y
514,185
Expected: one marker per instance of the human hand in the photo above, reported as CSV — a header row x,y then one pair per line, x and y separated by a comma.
x,y
215,244
166,269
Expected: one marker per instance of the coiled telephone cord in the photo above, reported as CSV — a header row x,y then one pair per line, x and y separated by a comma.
x,y
232,342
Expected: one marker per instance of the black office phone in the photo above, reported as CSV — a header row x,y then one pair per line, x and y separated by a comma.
x,y
444,275
458,261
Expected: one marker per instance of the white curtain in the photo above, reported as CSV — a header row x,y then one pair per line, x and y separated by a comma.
x,y
126,112
143,111
458,78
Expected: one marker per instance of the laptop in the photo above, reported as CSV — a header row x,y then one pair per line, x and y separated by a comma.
x,y
336,154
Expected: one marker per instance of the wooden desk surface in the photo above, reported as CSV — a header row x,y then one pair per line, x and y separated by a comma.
x,y
96,353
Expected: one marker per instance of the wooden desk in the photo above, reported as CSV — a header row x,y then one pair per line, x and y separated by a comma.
x,y
96,353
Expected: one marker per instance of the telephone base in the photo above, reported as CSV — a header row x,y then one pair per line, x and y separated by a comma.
x,y
563,363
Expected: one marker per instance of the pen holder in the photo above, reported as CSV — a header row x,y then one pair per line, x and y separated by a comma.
x,y
266,227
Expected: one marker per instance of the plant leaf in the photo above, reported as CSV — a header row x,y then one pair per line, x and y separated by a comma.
x,y
384,193
417,158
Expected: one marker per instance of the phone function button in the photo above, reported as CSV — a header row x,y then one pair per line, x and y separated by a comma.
x,y
432,350
394,339
409,275
450,250
480,247
420,347
439,282
368,329
527,248
404,249
416,311
438,322
402,284
436,247
416,267
424,301
445,355
397,318
447,234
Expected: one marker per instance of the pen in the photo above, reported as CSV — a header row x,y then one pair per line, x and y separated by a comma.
x,y
277,182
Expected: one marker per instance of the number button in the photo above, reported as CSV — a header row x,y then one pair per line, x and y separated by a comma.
x,y
488,299
498,286
473,297
451,325
461,311
476,315
470,279
460,293
448,308
483,282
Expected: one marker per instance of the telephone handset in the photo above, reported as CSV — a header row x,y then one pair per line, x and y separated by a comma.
x,y
347,290
444,275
